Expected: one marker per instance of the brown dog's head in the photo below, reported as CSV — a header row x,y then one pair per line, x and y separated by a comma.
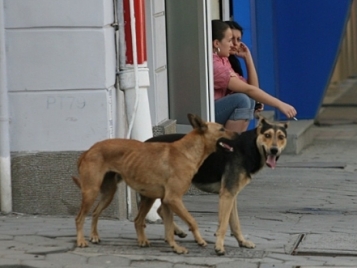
x,y
213,133
271,140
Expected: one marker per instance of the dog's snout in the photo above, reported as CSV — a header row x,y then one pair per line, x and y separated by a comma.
x,y
274,150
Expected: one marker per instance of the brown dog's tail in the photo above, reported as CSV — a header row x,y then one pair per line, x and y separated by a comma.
x,y
77,181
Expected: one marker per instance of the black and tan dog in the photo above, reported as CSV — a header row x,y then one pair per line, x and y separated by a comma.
x,y
227,173
155,170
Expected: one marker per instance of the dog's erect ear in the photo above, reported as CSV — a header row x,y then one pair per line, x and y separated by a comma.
x,y
261,120
196,122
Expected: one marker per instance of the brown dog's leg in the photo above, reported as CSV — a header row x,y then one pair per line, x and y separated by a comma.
x,y
144,207
177,230
168,218
88,198
236,229
108,189
176,205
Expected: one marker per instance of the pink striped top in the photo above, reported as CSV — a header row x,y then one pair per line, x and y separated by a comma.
x,y
222,73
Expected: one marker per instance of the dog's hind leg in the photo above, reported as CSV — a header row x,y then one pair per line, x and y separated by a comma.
x,y
177,230
168,218
144,207
108,189
236,229
88,198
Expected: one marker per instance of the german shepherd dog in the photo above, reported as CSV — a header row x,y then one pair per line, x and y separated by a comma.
x,y
227,173
154,170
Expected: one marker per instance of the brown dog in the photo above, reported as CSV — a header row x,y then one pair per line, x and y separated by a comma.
x,y
154,170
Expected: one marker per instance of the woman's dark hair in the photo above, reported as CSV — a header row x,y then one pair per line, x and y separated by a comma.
x,y
234,25
235,63
218,29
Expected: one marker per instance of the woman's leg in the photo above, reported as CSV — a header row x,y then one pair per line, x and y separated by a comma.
x,y
234,111
237,125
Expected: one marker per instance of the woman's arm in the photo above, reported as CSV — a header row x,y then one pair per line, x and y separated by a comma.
x,y
237,85
244,53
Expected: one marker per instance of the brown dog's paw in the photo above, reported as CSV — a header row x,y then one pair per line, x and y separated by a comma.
x,y
180,234
143,243
220,251
94,239
180,250
246,244
82,243
202,243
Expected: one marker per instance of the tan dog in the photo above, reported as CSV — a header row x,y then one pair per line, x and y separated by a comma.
x,y
155,170
227,173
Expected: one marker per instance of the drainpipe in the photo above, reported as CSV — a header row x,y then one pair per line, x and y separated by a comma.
x,y
134,81
5,165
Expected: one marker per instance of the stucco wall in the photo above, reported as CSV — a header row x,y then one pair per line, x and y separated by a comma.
x,y
61,75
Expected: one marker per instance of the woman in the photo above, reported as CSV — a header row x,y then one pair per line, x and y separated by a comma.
x,y
240,50
235,110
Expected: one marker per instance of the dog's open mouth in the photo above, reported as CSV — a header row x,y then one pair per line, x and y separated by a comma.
x,y
226,146
271,160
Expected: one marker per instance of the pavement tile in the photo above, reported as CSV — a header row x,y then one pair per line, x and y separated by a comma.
x,y
41,264
109,261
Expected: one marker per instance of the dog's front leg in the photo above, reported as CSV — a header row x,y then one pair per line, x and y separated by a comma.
x,y
226,200
236,229
145,205
179,208
177,230
168,218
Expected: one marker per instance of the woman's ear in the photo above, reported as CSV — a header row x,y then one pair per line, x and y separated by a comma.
x,y
215,43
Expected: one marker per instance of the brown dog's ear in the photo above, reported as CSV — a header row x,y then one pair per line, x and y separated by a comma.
x,y
196,122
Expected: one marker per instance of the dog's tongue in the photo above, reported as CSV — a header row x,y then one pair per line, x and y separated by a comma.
x,y
226,146
271,161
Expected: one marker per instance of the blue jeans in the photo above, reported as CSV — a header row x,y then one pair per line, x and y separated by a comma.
x,y
236,106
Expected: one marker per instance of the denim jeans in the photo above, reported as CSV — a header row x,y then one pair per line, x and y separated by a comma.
x,y
236,106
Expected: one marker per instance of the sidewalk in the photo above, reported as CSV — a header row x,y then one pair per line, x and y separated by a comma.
x,y
302,214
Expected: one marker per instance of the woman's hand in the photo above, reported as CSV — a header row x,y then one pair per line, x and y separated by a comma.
x,y
287,109
241,51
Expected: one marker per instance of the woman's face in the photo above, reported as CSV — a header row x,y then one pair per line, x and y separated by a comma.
x,y
237,38
225,44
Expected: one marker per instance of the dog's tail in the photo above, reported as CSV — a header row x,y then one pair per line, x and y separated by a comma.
x,y
80,159
77,181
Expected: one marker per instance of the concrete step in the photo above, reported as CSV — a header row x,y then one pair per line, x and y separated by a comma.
x,y
300,135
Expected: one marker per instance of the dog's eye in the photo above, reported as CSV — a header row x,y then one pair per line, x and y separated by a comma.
x,y
267,135
222,129
281,137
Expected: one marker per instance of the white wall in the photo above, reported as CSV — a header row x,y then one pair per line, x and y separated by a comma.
x,y
61,73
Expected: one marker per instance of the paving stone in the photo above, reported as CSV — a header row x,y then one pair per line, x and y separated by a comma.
x,y
237,263
332,244
41,264
10,262
109,261
155,264
66,258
